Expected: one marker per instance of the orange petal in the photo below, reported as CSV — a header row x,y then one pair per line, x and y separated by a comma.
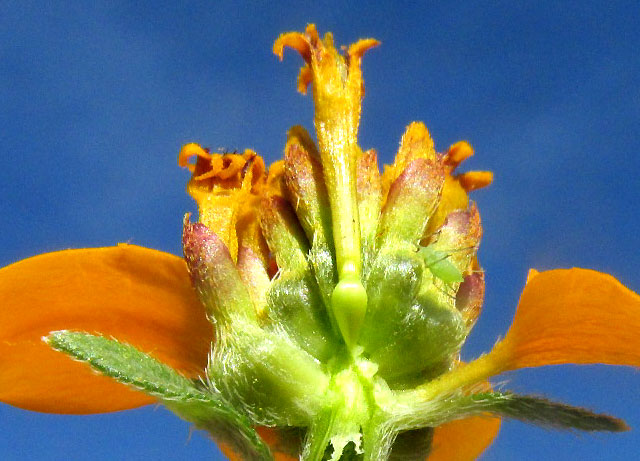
x,y
137,295
531,274
473,180
273,438
572,316
357,50
191,150
305,77
463,439
295,40
458,153
276,180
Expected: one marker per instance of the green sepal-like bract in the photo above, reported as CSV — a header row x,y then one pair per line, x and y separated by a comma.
x,y
295,306
409,333
411,411
264,373
412,199
192,400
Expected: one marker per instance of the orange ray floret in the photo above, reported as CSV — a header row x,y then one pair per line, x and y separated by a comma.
x,y
572,316
139,296
564,316
463,439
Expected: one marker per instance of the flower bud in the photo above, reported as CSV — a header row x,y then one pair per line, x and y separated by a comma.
x,y
306,188
458,239
307,193
295,306
470,297
214,275
411,200
283,233
410,332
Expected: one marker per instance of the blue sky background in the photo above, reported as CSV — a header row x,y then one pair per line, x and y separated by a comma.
x,y
96,99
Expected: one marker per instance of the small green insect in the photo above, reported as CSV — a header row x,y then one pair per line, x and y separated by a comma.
x,y
440,266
